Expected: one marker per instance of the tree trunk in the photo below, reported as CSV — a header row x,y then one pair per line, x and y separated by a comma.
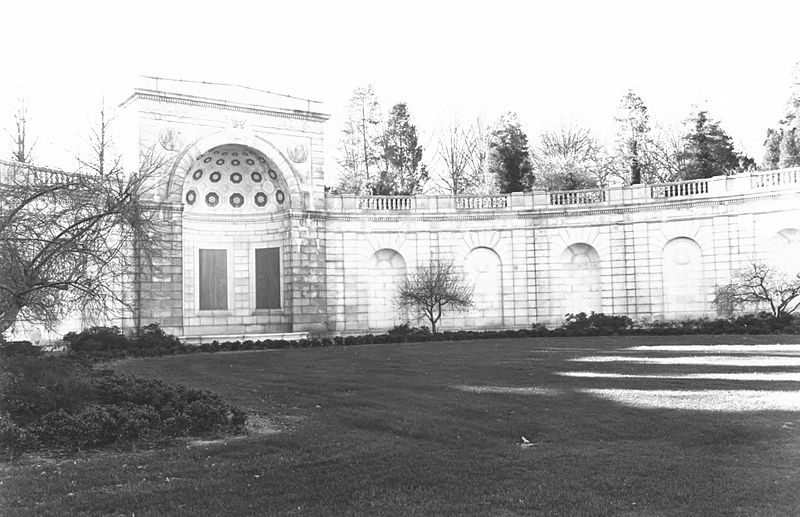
x,y
8,317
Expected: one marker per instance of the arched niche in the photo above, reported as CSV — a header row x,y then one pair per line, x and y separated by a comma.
x,y
580,268
784,250
387,268
682,278
483,268
234,232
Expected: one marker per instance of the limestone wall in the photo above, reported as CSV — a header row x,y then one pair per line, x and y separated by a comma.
x,y
535,257
647,251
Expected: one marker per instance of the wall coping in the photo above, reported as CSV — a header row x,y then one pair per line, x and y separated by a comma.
x,y
716,188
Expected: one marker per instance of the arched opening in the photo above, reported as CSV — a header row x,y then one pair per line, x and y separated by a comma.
x,y
682,278
234,243
580,265
386,269
483,268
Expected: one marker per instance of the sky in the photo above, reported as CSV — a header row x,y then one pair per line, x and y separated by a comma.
x,y
551,62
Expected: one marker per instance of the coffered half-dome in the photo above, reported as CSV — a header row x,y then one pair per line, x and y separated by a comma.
x,y
234,179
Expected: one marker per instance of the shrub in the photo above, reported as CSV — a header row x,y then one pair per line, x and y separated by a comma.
x,y
596,324
35,386
61,429
15,348
60,402
14,439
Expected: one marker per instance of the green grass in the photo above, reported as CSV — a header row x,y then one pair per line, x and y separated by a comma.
x,y
434,429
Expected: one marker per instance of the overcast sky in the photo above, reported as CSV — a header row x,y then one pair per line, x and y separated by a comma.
x,y
548,61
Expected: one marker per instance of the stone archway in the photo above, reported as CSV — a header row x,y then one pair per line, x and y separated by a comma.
x,y
183,165
235,243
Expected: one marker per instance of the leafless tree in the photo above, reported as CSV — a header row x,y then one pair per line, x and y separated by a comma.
x,y
664,153
22,147
433,288
69,240
359,152
758,284
462,152
570,157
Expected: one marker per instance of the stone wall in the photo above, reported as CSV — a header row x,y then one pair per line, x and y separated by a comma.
x,y
650,252
535,257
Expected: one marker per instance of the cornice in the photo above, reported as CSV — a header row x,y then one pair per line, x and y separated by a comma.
x,y
202,102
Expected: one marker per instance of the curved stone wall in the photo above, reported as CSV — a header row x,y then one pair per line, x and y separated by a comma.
x,y
328,265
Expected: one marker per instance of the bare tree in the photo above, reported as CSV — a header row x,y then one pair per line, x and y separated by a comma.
x,y
359,152
462,153
760,283
570,157
68,240
454,151
483,182
101,157
665,153
433,288
22,147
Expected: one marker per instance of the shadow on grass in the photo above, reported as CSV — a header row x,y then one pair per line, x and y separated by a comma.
x,y
434,429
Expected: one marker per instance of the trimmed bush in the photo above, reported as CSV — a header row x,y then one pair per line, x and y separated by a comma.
x,y
58,402
16,348
14,439
35,386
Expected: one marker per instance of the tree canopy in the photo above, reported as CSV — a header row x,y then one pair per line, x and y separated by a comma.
x,y
509,156
708,150
433,289
402,171
358,152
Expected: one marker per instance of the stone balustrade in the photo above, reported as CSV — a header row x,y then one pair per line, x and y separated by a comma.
x,y
718,186
775,178
388,203
578,197
679,189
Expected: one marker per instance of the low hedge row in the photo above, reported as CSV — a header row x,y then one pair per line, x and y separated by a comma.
x,y
108,343
62,403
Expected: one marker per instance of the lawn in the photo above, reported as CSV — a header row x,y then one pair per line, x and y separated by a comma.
x,y
617,426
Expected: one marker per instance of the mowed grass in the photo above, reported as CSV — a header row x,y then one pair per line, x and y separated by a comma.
x,y
435,429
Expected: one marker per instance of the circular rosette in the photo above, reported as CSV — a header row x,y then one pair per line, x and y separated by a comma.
x,y
237,200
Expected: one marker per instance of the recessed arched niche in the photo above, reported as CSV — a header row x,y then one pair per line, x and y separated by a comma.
x,y
682,279
483,269
580,278
235,230
234,179
387,268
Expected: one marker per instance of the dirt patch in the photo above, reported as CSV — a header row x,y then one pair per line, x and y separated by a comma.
x,y
258,425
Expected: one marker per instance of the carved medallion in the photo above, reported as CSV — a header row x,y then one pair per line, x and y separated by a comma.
x,y
297,153
170,139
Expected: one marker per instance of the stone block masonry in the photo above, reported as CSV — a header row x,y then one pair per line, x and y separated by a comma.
x,y
243,177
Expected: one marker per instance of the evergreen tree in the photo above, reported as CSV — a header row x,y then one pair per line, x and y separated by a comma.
x,y
633,138
358,150
781,145
509,157
772,149
789,148
707,150
402,171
